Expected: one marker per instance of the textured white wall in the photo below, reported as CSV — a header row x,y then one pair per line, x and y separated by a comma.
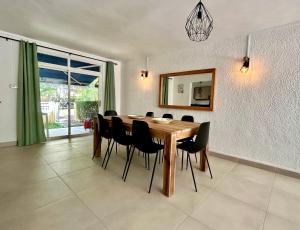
x,y
256,116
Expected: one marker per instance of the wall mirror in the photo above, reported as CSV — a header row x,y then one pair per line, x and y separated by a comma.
x,y
188,90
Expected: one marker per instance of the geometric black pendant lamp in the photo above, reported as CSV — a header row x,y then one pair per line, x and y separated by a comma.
x,y
199,23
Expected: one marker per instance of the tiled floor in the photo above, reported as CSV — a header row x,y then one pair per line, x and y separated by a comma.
x,y
57,186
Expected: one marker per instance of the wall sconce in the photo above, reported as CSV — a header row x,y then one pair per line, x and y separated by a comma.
x,y
245,66
246,59
145,73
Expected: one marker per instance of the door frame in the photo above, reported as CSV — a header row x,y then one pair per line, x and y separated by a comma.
x,y
69,70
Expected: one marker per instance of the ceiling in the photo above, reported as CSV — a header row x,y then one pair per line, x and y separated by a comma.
x,y
125,28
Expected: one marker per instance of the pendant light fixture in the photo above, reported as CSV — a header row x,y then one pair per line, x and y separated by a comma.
x,y
199,23
144,73
246,59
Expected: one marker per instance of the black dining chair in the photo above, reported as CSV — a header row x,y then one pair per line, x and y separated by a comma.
x,y
168,115
110,113
104,132
142,141
187,118
149,114
120,137
193,147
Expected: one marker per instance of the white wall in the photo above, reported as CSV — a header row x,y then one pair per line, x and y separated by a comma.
x,y
257,115
9,56
9,60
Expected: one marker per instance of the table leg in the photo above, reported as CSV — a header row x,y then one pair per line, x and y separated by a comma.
x,y
202,159
97,141
169,165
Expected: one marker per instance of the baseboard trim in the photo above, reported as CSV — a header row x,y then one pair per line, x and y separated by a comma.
x,y
8,144
259,165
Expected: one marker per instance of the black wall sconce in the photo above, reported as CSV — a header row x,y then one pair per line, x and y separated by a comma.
x,y
145,73
246,64
246,59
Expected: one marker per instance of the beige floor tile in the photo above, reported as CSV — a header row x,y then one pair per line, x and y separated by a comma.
x,y
192,224
221,165
71,165
254,174
66,214
29,174
145,213
18,203
223,212
285,205
246,190
114,195
288,184
88,178
61,156
273,222
188,200
18,154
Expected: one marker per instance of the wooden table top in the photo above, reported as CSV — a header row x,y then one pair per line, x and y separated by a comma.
x,y
181,129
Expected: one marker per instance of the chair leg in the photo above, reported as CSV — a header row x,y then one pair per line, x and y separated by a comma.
x,y
189,159
159,156
153,173
106,152
128,166
148,161
127,161
182,156
208,166
196,157
116,148
187,163
109,154
145,160
177,151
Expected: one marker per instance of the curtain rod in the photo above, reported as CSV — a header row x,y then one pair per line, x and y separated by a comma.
x,y
18,40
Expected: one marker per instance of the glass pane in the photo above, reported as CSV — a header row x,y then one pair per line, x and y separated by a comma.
x,y
52,59
85,65
84,102
54,101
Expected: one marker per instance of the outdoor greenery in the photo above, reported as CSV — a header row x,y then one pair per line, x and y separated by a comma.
x,y
86,109
54,125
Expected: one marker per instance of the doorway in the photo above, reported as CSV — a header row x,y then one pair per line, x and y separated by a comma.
x,y
71,89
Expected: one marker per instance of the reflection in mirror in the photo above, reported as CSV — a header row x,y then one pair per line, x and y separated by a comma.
x,y
192,89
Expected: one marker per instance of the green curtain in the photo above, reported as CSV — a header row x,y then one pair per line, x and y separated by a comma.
x,y
165,90
109,94
30,127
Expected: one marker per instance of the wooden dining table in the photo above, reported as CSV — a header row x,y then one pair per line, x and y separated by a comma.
x,y
169,133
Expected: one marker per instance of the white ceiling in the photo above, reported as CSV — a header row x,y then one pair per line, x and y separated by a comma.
x,y
124,28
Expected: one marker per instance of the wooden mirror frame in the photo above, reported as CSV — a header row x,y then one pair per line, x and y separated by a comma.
x,y
183,74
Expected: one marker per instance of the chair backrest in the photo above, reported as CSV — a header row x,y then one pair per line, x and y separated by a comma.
x,y
141,134
168,115
187,118
149,114
203,135
118,129
103,126
110,113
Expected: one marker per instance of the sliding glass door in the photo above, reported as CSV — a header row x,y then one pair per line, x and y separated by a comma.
x,y
70,93
84,94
